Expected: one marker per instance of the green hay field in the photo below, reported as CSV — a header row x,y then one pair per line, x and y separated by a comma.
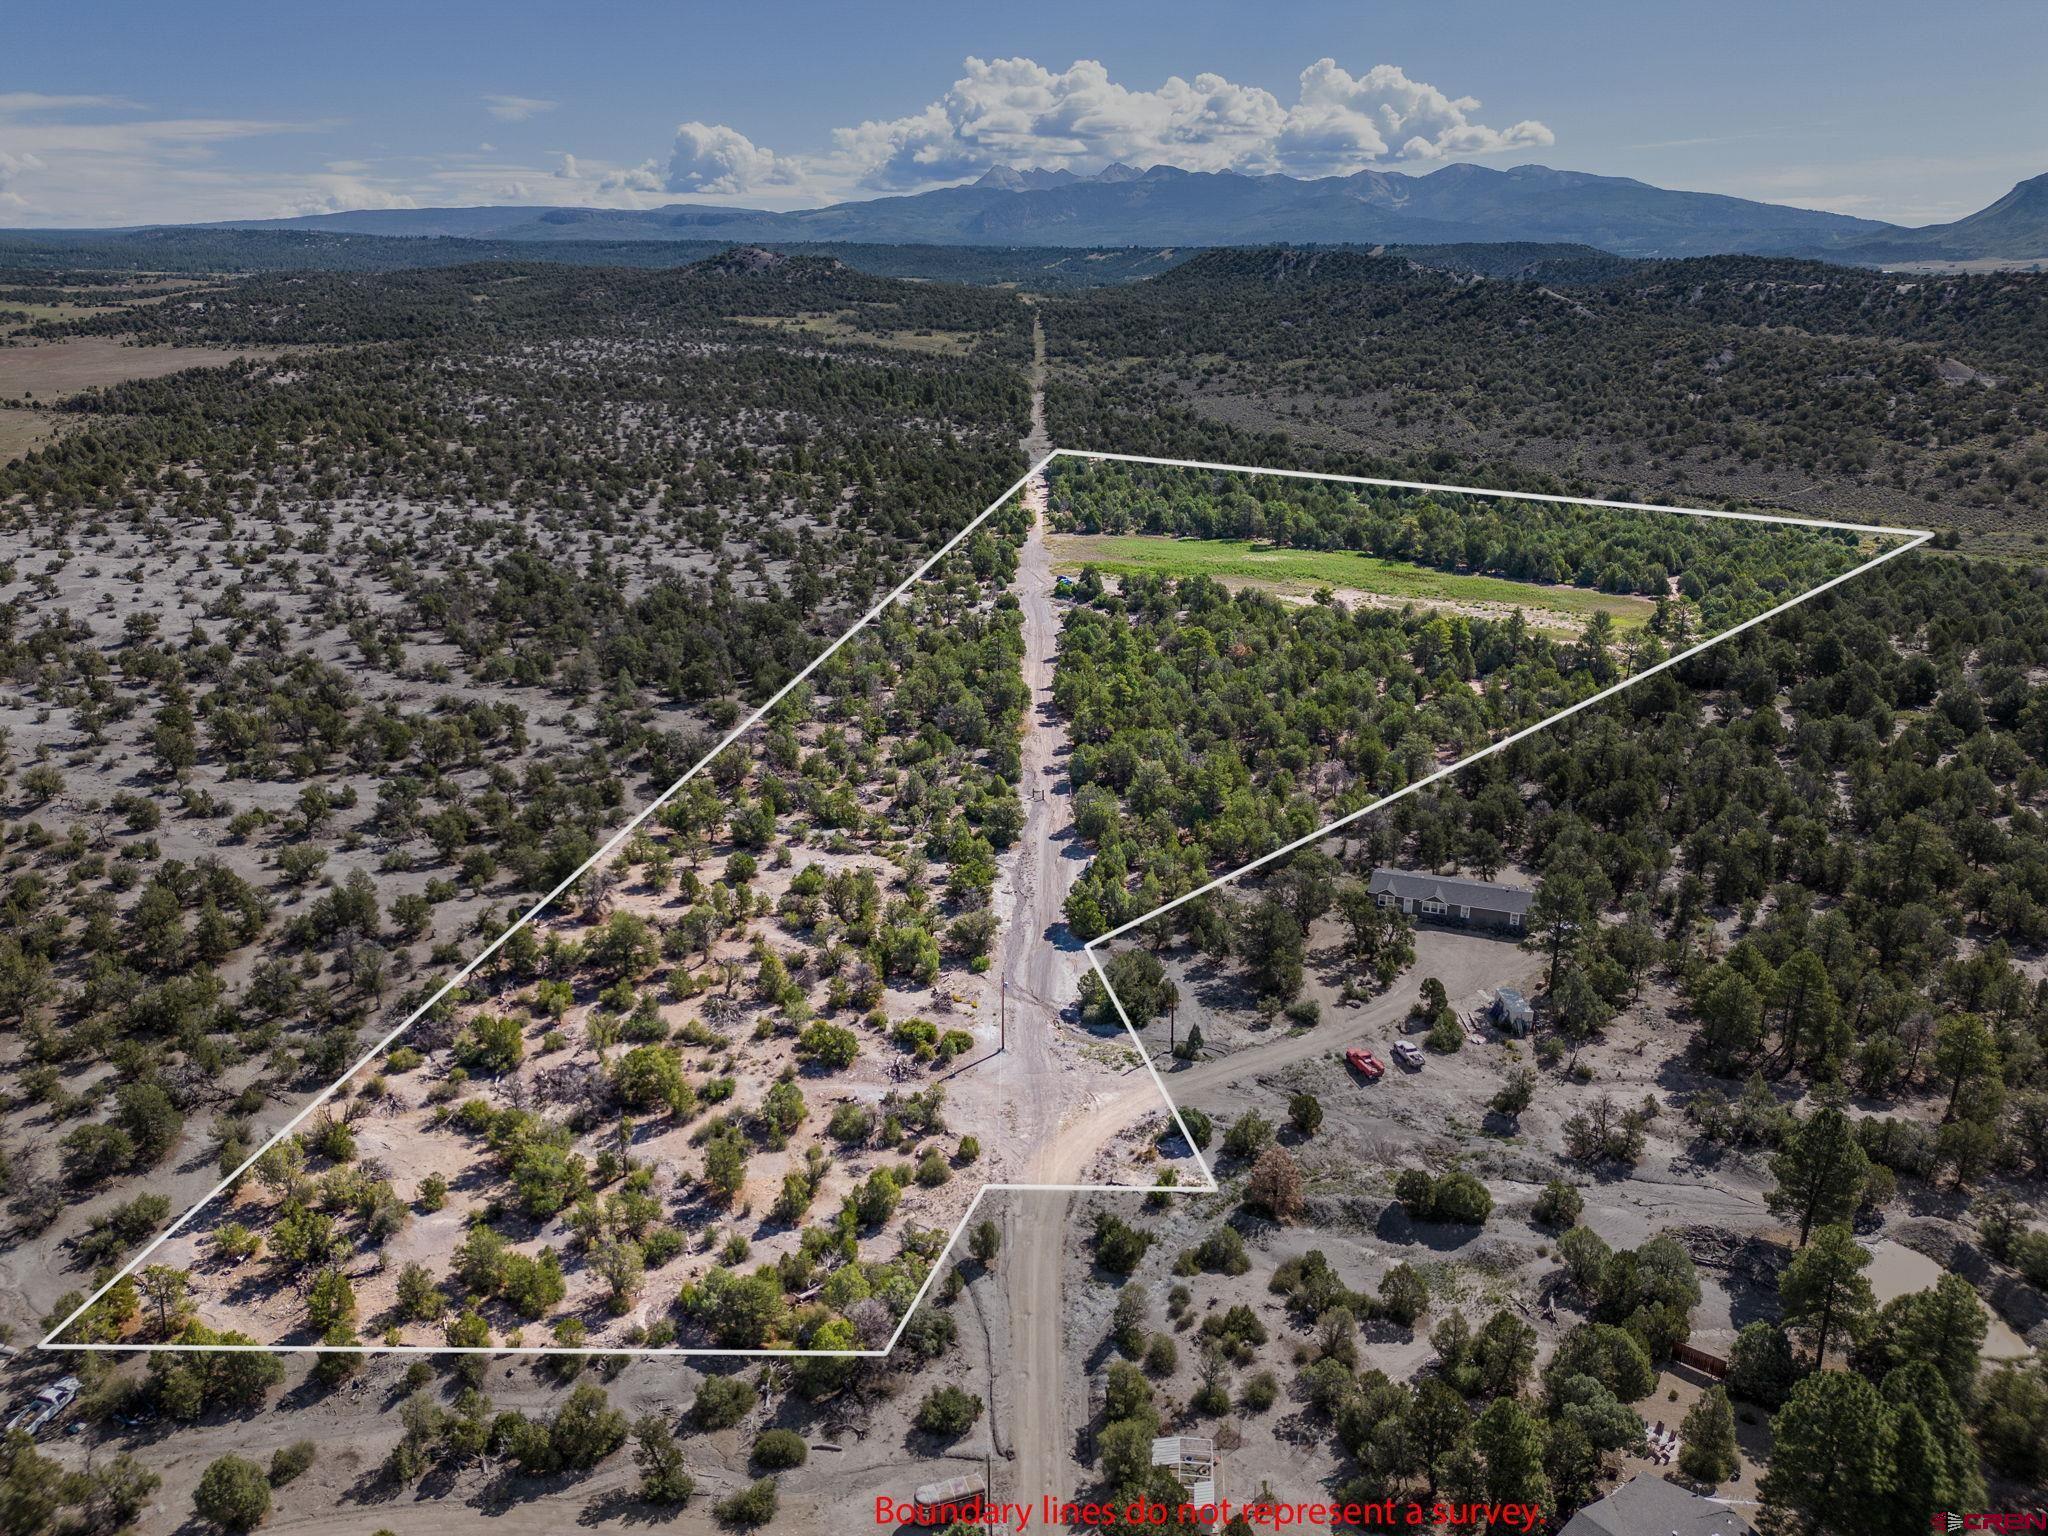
x,y
1298,572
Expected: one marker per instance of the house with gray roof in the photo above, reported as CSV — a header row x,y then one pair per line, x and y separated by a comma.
x,y
1649,1506
1447,899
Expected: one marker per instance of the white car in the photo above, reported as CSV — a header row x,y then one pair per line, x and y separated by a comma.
x,y
1409,1054
34,1416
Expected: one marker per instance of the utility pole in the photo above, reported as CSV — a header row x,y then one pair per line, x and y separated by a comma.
x,y
1003,1018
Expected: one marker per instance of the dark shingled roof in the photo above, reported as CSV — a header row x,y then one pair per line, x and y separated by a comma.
x,y
1450,891
1649,1506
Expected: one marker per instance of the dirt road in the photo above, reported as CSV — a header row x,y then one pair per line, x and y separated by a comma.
x,y
1037,443
1040,973
1041,963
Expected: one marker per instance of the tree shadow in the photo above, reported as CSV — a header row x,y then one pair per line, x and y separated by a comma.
x,y
623,1507
1395,1226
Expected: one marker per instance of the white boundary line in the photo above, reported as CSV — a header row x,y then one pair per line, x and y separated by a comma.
x,y
1912,538
1918,538
1553,499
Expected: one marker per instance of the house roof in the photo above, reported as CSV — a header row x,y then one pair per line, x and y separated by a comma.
x,y
1450,891
1649,1506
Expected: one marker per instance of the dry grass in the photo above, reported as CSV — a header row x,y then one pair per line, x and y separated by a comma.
x,y
24,429
54,370
839,327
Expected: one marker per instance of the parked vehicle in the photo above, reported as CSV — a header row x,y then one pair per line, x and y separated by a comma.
x,y
34,1416
1409,1054
1365,1064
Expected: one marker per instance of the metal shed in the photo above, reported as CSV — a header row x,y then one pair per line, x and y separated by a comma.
x,y
1512,1012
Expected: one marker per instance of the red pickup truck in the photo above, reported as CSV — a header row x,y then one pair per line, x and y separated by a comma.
x,y
1365,1064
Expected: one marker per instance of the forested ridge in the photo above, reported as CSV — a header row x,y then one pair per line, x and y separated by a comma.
x,y
83,256
506,299
1806,386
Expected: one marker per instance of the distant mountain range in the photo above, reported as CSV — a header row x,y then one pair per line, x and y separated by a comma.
x,y
2013,228
1164,206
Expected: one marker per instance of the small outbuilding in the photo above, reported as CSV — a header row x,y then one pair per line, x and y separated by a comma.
x,y
1448,899
1511,1011
1192,1459
1649,1506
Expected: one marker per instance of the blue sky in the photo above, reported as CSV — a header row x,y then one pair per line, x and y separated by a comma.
x,y
115,113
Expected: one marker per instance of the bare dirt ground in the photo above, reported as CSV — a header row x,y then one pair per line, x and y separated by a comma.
x,y
1436,1116
1537,616
324,588
1427,1117
401,1133
1040,1395
337,582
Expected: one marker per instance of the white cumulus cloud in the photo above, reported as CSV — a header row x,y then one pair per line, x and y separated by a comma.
x,y
12,166
1343,121
1018,112
1015,111
712,158
341,189
642,178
